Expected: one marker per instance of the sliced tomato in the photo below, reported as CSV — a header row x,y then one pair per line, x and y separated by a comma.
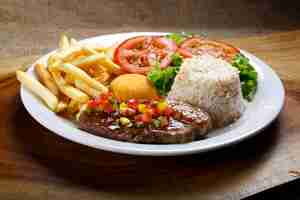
x,y
200,46
139,54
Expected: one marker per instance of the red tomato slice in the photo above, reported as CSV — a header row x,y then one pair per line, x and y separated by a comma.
x,y
139,54
199,46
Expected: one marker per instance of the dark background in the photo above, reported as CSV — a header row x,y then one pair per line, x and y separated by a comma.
x,y
32,26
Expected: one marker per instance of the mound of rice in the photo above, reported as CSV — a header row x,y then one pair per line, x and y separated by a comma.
x,y
213,85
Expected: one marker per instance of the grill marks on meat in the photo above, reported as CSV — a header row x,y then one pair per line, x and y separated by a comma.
x,y
193,116
188,124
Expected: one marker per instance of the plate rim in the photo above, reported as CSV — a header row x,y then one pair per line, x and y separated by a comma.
x,y
134,148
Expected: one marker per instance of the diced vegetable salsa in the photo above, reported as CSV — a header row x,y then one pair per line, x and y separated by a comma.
x,y
134,112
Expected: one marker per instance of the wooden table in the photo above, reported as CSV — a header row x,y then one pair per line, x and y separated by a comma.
x,y
37,164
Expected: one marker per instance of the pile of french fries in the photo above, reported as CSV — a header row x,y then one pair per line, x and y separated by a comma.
x,y
73,74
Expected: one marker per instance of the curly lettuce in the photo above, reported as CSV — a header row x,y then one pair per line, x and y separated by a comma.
x,y
248,76
163,79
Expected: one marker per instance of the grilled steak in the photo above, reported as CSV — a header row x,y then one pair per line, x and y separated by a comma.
x,y
186,125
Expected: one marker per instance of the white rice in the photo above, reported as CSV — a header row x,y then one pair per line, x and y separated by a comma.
x,y
213,85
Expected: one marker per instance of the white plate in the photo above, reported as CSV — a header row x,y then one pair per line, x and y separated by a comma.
x,y
259,113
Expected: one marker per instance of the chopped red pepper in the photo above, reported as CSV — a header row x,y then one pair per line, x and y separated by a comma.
x,y
133,103
128,112
146,118
152,112
108,108
138,118
141,112
168,111
93,103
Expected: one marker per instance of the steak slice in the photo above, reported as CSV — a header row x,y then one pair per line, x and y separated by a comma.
x,y
188,124
191,115
173,134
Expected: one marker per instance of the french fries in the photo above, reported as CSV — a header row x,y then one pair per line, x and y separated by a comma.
x,y
38,89
73,106
68,90
88,60
45,78
61,107
101,49
73,75
74,55
111,66
95,70
60,81
65,51
83,107
73,42
82,75
85,88
103,77
63,42
104,61
69,79
62,54
90,50
74,93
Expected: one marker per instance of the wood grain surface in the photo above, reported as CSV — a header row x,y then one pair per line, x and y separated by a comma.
x,y
37,164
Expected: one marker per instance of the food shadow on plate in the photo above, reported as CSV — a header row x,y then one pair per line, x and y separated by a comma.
x,y
81,165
